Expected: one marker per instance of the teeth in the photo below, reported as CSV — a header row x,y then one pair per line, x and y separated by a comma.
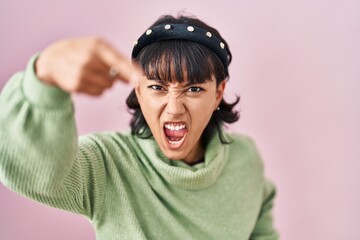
x,y
174,142
174,127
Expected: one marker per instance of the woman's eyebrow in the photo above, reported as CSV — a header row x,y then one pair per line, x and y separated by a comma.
x,y
189,84
160,82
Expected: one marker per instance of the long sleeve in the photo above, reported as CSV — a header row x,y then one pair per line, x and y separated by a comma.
x,y
264,229
39,152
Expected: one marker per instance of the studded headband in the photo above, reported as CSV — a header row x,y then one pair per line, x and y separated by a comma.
x,y
182,32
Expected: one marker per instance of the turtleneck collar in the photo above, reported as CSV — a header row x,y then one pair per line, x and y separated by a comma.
x,y
178,173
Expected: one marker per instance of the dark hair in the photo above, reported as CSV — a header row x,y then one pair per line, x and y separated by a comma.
x,y
182,60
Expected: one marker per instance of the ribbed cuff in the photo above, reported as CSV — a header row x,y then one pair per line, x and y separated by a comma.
x,y
40,93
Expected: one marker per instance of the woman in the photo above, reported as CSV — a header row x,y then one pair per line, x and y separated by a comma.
x,y
176,175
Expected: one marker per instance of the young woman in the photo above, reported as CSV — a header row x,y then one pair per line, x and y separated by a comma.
x,y
175,175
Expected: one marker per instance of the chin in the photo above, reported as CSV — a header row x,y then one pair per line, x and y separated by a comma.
x,y
173,155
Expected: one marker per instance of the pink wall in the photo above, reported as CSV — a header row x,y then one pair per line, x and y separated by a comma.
x,y
296,66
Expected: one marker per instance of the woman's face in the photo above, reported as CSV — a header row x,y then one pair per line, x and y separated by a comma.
x,y
177,114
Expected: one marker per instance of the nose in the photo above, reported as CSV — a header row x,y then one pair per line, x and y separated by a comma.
x,y
175,106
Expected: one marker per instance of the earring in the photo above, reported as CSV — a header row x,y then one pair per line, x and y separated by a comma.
x,y
218,109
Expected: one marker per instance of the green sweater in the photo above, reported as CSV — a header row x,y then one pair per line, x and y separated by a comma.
x,y
124,184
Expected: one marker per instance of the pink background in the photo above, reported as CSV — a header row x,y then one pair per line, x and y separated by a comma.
x,y
296,66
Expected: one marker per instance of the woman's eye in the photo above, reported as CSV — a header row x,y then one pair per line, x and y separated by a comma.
x,y
195,89
157,88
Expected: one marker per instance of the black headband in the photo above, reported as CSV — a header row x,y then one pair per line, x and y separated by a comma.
x,y
182,32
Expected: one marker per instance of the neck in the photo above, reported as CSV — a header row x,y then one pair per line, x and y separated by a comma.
x,y
196,155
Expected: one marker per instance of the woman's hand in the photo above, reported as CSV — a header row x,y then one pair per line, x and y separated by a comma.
x,y
83,65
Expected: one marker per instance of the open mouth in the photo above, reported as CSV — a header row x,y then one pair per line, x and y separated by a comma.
x,y
175,133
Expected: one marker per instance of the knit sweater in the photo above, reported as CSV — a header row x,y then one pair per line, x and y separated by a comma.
x,y
122,183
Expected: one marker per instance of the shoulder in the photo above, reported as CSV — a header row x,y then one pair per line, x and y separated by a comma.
x,y
117,150
107,141
243,148
105,137
241,141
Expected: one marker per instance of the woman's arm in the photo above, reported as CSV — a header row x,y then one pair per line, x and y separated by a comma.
x,y
40,156
39,153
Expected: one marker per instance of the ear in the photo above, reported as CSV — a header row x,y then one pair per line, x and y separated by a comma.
x,y
137,90
220,93
137,87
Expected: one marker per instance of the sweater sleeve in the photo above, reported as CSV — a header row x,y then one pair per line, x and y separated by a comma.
x,y
40,157
264,229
